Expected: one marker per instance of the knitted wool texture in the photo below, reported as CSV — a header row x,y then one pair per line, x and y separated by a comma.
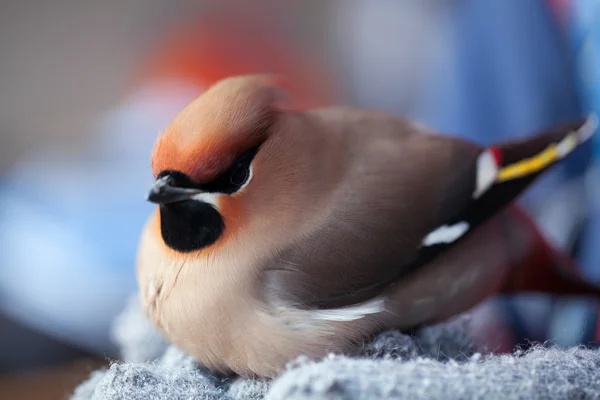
x,y
437,363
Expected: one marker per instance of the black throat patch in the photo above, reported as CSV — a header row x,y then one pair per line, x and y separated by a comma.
x,y
190,225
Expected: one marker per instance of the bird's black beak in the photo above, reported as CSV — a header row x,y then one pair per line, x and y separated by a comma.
x,y
164,192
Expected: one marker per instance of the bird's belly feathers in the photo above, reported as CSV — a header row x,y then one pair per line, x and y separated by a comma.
x,y
228,330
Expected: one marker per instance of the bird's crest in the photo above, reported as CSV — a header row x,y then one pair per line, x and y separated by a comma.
x,y
232,116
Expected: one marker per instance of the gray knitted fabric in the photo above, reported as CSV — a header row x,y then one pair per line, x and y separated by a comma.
x,y
439,362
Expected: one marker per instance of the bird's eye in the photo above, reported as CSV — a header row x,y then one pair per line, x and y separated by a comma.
x,y
239,176
235,177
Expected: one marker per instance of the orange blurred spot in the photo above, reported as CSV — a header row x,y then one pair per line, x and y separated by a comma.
x,y
217,46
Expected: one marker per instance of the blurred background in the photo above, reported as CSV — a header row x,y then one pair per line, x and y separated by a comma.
x,y
85,87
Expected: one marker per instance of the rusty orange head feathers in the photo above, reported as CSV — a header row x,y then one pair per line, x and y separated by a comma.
x,y
229,118
204,159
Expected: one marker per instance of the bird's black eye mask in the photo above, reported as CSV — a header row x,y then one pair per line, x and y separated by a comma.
x,y
229,182
191,224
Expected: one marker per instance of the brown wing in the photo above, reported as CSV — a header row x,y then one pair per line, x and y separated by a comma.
x,y
407,197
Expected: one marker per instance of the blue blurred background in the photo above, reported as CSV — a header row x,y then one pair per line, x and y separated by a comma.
x,y
86,87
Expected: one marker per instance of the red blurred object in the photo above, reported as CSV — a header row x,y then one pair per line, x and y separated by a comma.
x,y
561,9
216,46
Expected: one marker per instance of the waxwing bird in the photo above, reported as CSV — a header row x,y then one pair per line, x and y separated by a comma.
x,y
282,232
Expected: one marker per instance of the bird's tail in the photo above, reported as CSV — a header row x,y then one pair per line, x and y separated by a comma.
x,y
507,169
